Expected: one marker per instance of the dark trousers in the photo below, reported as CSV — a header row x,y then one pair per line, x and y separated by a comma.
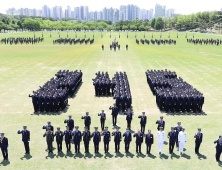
x,y
142,129
26,144
117,146
68,146
114,120
88,126
47,107
86,144
129,124
127,145
102,124
77,146
35,107
171,147
59,146
197,146
96,146
123,107
218,152
148,147
5,153
49,144
138,147
41,107
106,147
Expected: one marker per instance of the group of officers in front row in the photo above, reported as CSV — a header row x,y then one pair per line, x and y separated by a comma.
x,y
177,136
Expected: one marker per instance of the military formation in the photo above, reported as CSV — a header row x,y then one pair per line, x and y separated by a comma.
x,y
156,41
53,95
72,135
204,41
73,41
21,40
173,94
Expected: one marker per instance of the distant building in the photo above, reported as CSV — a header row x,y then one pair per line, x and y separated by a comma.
x,y
160,11
45,11
122,13
12,11
69,14
150,14
77,13
170,12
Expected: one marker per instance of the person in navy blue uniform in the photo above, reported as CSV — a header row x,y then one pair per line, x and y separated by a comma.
x,y
25,138
68,137
87,120
142,122
118,100
201,102
59,139
161,123
77,138
34,101
86,138
48,126
149,141
102,119
172,139
129,117
198,141
123,102
127,139
96,139
117,139
139,141
114,113
4,147
218,148
106,139
70,123
178,130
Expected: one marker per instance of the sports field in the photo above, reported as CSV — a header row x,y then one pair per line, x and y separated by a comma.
x,y
24,67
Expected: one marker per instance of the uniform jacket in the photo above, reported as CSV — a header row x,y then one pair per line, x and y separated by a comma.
x,y
142,119
70,123
161,136
49,136
182,137
149,139
128,138
25,135
172,137
77,136
117,136
139,138
4,143
160,124
198,137
68,135
86,136
59,136
96,137
107,136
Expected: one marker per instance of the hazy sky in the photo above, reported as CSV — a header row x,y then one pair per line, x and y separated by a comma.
x,y
180,6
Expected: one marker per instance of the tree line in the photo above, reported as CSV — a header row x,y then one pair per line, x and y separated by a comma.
x,y
200,22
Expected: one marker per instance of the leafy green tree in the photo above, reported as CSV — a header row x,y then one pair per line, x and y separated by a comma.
x,y
153,22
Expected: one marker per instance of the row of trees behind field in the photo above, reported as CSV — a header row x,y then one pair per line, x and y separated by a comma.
x,y
197,22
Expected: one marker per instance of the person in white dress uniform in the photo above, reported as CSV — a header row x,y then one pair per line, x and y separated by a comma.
x,y
161,138
182,139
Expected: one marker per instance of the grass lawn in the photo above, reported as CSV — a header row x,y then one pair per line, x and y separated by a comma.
x,y
24,67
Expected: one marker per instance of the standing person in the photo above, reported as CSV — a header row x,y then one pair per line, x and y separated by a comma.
x,y
127,139
142,122
129,118
172,139
106,140
77,137
161,139
218,148
4,146
114,113
182,139
161,123
48,126
25,138
86,138
96,139
139,141
178,130
70,123
59,139
117,139
68,137
102,119
198,141
87,120
49,139
149,141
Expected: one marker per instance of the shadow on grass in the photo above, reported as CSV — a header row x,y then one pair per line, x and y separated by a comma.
x,y
185,156
50,155
140,155
61,154
88,155
78,155
26,156
99,155
129,154
165,143
151,156
5,163
200,156
173,155
202,113
62,111
120,155
69,154
108,155
163,156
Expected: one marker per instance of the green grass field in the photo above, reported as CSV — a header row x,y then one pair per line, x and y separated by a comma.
x,y
24,67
